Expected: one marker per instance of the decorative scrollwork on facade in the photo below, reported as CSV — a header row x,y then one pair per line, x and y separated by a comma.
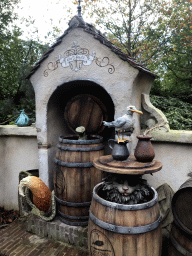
x,y
81,51
104,63
51,67
76,57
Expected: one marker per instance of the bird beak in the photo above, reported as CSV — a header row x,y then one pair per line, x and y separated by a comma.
x,y
137,111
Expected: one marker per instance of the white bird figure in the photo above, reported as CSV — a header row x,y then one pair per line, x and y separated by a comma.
x,y
125,123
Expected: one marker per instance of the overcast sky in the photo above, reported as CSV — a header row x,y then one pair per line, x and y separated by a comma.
x,y
46,13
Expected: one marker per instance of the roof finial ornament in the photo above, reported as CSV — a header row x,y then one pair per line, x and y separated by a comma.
x,y
79,8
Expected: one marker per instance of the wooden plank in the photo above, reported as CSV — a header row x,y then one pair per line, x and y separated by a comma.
x,y
76,184
100,240
182,239
86,110
130,163
102,164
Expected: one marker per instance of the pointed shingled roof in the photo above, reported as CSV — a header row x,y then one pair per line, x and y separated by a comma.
x,y
78,22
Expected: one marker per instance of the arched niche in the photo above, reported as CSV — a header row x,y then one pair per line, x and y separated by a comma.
x,y
56,121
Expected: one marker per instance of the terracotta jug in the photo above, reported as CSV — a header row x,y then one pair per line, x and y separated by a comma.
x,y
144,151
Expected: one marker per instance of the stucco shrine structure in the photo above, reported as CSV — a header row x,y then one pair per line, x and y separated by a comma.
x,y
84,61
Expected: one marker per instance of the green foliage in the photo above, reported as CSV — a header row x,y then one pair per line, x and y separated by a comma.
x,y
173,62
124,20
159,34
16,59
6,15
178,113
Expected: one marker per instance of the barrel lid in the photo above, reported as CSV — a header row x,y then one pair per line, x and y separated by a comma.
x,y
86,110
182,207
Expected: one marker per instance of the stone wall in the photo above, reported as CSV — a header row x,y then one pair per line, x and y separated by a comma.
x,y
81,64
19,152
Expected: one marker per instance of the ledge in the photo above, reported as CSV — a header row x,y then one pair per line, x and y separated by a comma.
x,y
174,136
57,230
14,130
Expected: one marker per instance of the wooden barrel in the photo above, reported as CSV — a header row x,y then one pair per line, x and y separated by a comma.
x,y
181,233
88,111
75,177
182,207
181,242
119,229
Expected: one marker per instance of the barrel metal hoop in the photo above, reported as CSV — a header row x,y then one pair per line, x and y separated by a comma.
x,y
73,217
125,230
180,224
94,140
71,204
71,223
74,165
123,207
179,248
78,149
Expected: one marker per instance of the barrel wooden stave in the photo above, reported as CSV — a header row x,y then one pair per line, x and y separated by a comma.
x,y
181,232
74,184
183,239
182,207
173,252
144,244
79,183
86,110
148,244
78,156
124,218
181,242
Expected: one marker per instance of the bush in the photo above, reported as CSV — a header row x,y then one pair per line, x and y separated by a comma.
x,y
178,113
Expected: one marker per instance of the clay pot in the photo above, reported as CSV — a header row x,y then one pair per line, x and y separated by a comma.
x,y
119,150
144,151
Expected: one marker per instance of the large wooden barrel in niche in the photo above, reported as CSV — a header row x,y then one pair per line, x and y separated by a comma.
x,y
75,177
88,111
119,229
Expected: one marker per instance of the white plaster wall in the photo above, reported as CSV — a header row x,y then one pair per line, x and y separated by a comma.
x,y
174,150
176,159
18,152
118,85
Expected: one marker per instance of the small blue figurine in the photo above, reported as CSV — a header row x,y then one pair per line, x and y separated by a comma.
x,y
23,119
